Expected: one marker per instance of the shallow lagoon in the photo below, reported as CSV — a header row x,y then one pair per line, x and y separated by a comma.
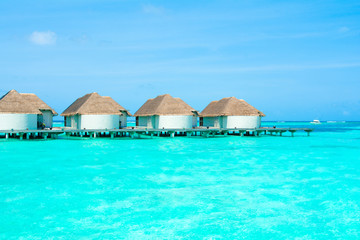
x,y
192,188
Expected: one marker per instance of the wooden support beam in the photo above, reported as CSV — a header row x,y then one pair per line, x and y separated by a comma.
x,y
308,132
205,134
29,134
292,132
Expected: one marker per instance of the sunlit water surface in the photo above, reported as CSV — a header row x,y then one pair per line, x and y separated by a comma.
x,y
267,187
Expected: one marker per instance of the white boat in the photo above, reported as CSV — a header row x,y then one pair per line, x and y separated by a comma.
x,y
315,122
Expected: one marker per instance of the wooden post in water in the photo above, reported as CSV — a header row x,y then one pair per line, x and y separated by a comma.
x,y
292,132
308,132
259,132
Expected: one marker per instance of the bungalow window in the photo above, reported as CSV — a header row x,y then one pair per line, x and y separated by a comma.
x,y
137,121
65,121
201,122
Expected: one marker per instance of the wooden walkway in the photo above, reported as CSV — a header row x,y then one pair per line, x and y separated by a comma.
x,y
137,132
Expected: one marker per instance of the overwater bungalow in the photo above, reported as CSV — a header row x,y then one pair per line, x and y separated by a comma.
x,y
230,113
21,111
167,112
45,119
93,111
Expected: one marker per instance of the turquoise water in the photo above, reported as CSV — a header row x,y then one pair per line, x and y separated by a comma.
x,y
184,188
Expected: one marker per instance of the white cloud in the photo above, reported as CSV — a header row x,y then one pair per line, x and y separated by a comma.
x,y
43,38
151,9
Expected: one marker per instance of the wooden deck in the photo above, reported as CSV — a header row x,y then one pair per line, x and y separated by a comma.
x,y
137,132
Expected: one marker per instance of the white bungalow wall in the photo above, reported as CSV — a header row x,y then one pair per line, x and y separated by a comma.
x,y
174,122
99,121
95,121
167,122
232,121
243,121
18,121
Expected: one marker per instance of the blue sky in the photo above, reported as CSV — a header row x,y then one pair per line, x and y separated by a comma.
x,y
293,60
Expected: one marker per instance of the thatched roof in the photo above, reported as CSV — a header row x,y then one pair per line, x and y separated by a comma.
x,y
94,104
118,106
230,106
164,105
37,102
14,102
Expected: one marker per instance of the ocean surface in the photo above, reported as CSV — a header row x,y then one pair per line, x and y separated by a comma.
x,y
267,187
